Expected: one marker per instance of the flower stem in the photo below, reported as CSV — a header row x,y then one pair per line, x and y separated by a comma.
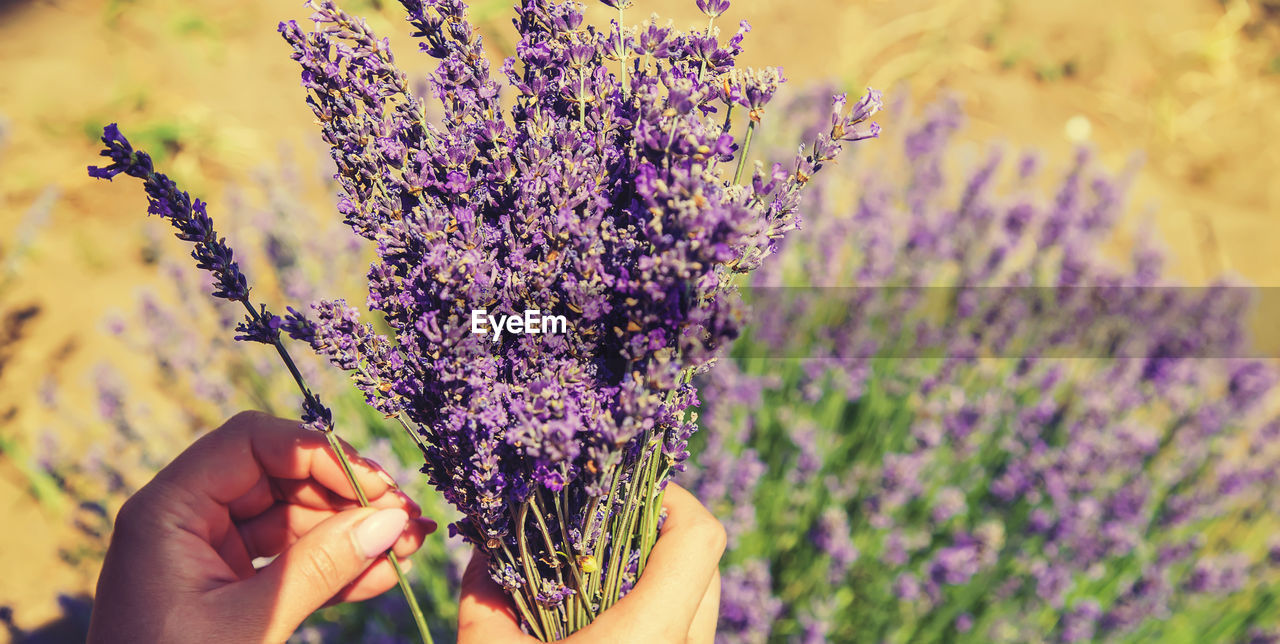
x,y
582,101
622,47
336,447
703,68
746,147
652,509
728,118
550,545
521,606
595,579
587,615
626,524
526,561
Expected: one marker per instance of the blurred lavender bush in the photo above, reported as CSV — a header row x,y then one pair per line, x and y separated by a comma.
x,y
881,495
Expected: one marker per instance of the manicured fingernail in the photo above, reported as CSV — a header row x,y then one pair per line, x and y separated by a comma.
x,y
375,534
386,478
429,524
411,506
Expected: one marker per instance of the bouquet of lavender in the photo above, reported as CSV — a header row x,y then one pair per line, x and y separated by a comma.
x,y
601,208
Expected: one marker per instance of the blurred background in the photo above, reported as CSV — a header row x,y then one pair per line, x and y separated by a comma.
x,y
1188,87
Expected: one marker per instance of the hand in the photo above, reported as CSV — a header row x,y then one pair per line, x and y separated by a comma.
x,y
179,567
677,599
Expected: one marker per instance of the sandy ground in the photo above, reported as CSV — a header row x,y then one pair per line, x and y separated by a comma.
x,y
1192,84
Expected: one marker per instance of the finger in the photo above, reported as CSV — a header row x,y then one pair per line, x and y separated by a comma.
x,y
485,612
683,562
269,533
228,462
311,571
312,494
257,500
233,550
378,579
414,536
703,628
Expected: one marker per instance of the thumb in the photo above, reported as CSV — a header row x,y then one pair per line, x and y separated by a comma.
x,y
316,567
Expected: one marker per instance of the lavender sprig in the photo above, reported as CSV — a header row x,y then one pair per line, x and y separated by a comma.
x,y
193,224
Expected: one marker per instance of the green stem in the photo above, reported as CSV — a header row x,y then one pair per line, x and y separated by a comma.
x,y
544,633
746,146
618,529
622,47
703,68
413,433
588,615
594,579
582,100
728,118
525,613
620,550
524,610
402,579
341,454
654,473
536,504
649,527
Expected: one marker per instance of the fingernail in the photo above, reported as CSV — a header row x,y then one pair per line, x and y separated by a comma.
x,y
376,534
411,506
429,524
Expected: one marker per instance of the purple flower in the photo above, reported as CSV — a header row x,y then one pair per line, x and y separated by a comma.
x,y
1080,624
189,217
1258,635
957,563
123,157
748,607
553,594
713,8
906,587
949,502
1052,582
833,538
263,328
752,88
1249,383
316,416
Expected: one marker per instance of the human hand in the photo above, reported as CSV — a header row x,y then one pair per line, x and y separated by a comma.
x,y
179,567
677,599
